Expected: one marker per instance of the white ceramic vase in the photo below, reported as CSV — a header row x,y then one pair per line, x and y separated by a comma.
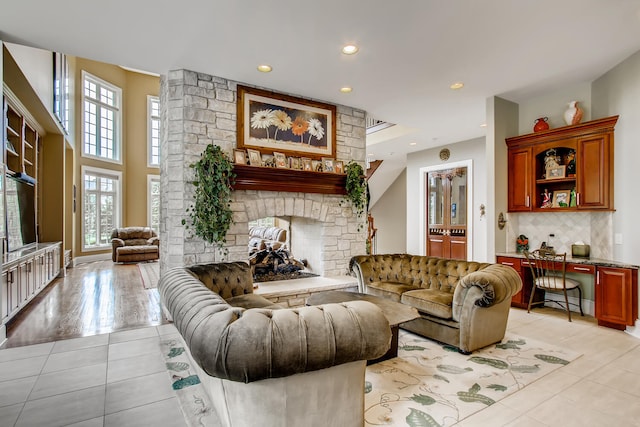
x,y
573,115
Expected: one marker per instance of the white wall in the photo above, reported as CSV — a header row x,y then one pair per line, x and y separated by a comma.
x,y
553,106
390,217
618,93
37,67
473,150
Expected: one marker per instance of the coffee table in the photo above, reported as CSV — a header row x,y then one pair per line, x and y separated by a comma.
x,y
395,312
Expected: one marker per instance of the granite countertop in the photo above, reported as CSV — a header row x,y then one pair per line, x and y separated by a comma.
x,y
588,261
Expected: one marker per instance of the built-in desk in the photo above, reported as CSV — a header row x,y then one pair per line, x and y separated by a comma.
x,y
615,293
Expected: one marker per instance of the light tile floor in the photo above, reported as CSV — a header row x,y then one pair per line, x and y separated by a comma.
x,y
116,379
120,379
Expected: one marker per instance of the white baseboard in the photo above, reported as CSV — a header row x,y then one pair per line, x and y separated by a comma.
x,y
91,258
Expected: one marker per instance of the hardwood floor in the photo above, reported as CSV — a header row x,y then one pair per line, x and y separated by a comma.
x,y
94,298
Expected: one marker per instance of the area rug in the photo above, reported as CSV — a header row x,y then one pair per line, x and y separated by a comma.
x,y
431,384
150,273
194,401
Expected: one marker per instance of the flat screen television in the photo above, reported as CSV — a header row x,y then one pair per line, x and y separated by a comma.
x,y
21,213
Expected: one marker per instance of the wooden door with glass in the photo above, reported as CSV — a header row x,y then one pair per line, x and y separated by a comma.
x,y
447,213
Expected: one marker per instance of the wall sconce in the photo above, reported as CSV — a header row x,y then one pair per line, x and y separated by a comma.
x,y
501,221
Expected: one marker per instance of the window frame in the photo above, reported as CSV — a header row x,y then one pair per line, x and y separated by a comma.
x,y
118,214
151,178
117,119
150,119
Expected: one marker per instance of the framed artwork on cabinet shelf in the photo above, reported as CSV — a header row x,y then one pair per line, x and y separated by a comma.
x,y
556,172
338,166
327,164
306,164
561,198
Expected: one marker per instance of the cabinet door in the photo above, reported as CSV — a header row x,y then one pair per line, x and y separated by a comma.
x,y
616,295
520,180
4,296
595,165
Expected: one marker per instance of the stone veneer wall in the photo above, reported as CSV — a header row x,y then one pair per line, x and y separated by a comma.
x,y
199,109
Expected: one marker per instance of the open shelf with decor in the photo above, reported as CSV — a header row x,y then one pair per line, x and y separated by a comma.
x,y
563,169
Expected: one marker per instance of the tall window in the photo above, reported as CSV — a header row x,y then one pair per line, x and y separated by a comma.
x,y
101,118
101,206
153,202
153,111
61,89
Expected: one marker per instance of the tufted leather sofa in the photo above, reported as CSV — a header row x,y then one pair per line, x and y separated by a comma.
x,y
266,365
461,303
130,244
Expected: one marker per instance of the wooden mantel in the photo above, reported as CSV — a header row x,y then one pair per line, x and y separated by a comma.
x,y
275,179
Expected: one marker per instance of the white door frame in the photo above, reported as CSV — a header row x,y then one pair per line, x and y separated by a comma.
x,y
422,227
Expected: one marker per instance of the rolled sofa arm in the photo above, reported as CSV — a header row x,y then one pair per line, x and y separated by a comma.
x,y
486,287
153,241
115,243
250,345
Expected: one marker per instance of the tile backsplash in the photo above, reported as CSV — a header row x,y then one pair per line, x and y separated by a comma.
x,y
592,228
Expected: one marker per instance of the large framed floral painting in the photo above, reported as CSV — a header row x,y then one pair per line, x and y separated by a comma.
x,y
269,121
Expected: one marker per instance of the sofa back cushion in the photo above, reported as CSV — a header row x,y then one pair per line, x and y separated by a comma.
x,y
133,235
228,279
421,271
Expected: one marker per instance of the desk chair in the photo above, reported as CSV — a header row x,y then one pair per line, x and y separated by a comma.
x,y
548,270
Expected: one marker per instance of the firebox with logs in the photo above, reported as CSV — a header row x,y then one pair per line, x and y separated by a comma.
x,y
269,264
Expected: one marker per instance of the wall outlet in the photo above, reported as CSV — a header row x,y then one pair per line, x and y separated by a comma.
x,y
617,238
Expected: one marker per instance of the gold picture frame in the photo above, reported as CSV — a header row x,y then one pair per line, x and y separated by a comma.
x,y
327,164
306,164
240,157
561,198
281,160
255,157
270,121
338,166
556,172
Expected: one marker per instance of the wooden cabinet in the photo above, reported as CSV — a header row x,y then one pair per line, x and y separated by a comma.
x,y
521,299
616,296
519,176
24,274
616,290
583,155
21,143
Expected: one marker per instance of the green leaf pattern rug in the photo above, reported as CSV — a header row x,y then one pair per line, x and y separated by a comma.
x,y
431,384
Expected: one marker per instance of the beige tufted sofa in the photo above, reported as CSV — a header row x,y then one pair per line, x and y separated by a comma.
x,y
264,365
461,303
266,238
131,244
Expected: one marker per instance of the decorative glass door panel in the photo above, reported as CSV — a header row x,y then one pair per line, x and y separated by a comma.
x,y
447,213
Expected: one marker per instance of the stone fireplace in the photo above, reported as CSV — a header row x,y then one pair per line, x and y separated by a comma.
x,y
200,109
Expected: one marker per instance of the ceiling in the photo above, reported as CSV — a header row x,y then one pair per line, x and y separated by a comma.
x,y
410,50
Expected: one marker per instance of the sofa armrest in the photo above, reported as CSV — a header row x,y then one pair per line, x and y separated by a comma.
x,y
115,244
250,345
485,288
155,240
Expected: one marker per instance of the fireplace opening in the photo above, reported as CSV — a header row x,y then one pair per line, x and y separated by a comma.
x,y
271,253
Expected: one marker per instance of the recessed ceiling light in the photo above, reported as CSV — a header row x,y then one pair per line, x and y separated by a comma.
x,y
264,68
350,49
370,154
456,85
346,89
413,143
484,125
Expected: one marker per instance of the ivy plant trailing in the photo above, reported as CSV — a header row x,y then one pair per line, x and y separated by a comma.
x,y
210,215
356,187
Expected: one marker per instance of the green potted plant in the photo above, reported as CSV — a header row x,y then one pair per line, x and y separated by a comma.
x,y
356,186
211,215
